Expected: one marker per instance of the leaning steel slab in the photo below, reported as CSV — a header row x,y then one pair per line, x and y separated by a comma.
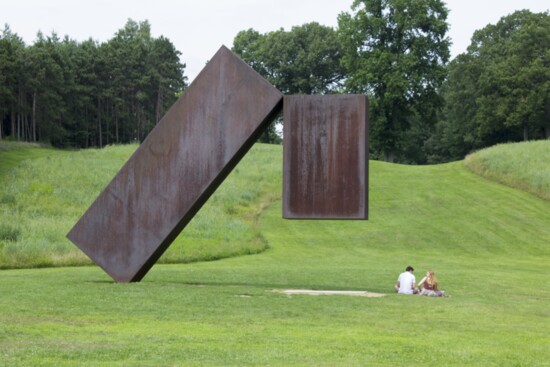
x,y
326,157
177,167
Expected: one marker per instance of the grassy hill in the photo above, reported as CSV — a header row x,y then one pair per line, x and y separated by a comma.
x,y
488,244
45,191
521,165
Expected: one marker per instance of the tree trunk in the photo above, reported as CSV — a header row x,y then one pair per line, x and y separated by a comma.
x,y
138,121
389,152
389,156
114,110
135,110
158,109
547,127
12,121
28,132
107,125
15,118
525,133
88,135
99,122
18,129
20,117
34,116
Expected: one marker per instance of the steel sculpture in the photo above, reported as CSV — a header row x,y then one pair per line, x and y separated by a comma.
x,y
326,157
177,167
201,139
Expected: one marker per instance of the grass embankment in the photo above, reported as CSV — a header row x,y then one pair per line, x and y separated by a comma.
x,y
521,165
45,192
488,243
12,153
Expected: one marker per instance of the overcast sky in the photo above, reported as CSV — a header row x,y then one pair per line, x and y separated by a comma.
x,y
198,28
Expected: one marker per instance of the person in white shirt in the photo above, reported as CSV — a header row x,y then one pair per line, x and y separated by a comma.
x,y
406,283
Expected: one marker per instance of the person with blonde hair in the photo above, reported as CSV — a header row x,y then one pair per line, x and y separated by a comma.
x,y
430,286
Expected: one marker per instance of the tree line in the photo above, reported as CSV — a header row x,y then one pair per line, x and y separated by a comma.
x,y
498,90
87,94
424,108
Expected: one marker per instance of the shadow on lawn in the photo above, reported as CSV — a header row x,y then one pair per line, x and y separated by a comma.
x,y
273,286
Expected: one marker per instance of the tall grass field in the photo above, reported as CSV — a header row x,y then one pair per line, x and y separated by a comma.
x,y
46,193
488,243
521,165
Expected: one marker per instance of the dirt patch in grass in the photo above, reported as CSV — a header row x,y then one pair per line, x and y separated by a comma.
x,y
291,292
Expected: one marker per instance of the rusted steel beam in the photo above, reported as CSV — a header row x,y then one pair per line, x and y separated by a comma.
x,y
326,157
176,169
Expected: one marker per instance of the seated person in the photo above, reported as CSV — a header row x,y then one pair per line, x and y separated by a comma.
x,y
430,286
406,283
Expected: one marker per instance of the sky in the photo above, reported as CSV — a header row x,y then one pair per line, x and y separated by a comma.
x,y
198,28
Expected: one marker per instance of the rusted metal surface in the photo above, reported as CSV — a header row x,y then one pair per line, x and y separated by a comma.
x,y
176,169
325,165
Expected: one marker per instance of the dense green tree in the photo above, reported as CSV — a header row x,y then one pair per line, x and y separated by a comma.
x,y
127,63
395,51
513,89
249,45
145,75
47,82
87,94
456,134
304,60
499,90
11,59
166,75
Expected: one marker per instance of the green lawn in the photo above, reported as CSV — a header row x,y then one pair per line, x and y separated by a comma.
x,y
489,245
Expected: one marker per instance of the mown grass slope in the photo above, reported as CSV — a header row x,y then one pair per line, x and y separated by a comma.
x,y
488,243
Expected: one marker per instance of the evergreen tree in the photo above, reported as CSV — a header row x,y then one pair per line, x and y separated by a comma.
x,y
11,65
87,94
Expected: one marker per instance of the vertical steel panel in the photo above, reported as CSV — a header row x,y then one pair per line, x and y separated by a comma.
x,y
325,165
178,166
